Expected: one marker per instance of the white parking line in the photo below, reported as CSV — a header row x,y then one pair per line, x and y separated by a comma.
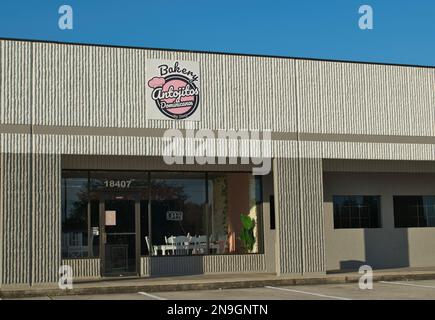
x,y
151,296
407,284
309,293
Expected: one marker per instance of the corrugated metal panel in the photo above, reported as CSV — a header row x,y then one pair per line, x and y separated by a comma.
x,y
312,215
30,190
15,82
138,163
237,90
46,224
14,143
105,87
154,146
172,265
284,149
145,266
131,89
299,204
377,166
361,150
76,85
288,216
63,85
136,146
83,268
340,97
235,263
15,210
104,82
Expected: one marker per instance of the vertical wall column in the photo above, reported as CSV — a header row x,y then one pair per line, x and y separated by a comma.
x,y
288,217
300,245
312,215
46,224
15,208
29,218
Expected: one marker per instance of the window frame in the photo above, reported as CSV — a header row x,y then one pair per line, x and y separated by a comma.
x,y
148,173
87,217
379,213
407,226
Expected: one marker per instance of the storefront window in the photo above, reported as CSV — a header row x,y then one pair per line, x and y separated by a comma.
x,y
75,215
234,205
178,213
170,213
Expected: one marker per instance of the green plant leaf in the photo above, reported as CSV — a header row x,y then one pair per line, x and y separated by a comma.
x,y
247,232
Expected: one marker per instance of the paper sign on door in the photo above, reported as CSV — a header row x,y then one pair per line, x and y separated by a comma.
x,y
110,218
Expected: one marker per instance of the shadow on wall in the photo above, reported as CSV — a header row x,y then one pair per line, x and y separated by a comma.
x,y
388,248
351,264
384,248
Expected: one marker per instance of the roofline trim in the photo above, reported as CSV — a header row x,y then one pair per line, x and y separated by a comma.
x,y
215,52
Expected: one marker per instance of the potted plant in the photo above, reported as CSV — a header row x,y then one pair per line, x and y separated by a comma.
x,y
247,232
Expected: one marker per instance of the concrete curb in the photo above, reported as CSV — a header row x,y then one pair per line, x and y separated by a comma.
x,y
205,285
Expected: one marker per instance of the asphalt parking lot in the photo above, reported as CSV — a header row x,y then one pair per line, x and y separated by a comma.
x,y
424,289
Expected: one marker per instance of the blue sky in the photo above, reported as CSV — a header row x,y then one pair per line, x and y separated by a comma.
x,y
404,31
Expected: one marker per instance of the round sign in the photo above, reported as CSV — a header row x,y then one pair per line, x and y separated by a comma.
x,y
175,95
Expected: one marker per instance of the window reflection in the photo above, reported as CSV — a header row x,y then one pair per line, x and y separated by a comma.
x,y
234,201
75,215
356,212
414,211
191,213
178,213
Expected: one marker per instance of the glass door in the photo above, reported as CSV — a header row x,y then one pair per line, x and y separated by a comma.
x,y
119,237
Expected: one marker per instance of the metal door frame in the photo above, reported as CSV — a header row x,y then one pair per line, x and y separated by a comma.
x,y
103,236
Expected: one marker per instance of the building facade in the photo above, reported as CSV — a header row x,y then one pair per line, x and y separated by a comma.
x,y
84,181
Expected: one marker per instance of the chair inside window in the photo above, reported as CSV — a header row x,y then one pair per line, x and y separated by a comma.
x,y
200,244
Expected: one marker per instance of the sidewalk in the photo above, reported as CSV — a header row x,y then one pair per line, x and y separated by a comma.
x,y
209,282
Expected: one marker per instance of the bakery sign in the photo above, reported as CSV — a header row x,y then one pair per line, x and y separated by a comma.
x,y
172,90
